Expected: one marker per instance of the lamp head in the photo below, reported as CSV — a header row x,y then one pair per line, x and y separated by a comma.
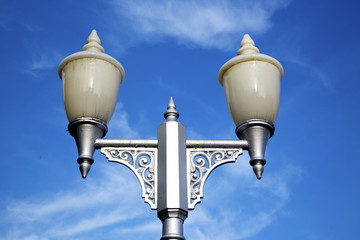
x,y
91,81
251,82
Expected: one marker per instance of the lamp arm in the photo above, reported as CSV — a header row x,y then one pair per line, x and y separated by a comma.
x,y
128,143
100,142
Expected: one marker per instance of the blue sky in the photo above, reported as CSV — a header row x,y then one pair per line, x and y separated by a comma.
x,y
175,48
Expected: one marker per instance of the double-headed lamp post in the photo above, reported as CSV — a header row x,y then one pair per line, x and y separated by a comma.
x,y
171,169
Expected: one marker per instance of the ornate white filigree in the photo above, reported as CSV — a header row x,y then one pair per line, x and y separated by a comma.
x,y
142,162
202,163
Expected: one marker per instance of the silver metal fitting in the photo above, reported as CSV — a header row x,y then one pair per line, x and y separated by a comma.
x,y
171,114
173,221
257,132
255,122
86,131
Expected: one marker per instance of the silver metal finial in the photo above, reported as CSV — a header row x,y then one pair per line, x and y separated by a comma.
x,y
257,133
86,131
171,114
84,168
258,168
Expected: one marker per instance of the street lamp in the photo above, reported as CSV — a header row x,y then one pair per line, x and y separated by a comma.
x,y
171,169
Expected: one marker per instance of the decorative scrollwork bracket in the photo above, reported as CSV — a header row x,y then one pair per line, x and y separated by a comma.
x,y
142,162
201,163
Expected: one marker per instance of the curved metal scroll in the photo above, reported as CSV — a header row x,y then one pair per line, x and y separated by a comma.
x,y
202,163
141,161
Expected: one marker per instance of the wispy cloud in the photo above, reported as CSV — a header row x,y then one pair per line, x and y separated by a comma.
x,y
3,25
110,200
206,24
88,206
319,72
120,125
32,27
258,203
44,60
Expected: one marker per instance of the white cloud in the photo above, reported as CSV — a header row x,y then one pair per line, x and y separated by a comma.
x,y
207,24
318,72
257,204
97,221
153,226
88,206
3,25
32,27
120,125
44,60
238,207
69,201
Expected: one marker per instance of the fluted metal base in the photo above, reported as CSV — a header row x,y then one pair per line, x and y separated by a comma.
x,y
86,131
257,132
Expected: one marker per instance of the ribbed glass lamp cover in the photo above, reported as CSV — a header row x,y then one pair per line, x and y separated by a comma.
x,y
91,81
251,83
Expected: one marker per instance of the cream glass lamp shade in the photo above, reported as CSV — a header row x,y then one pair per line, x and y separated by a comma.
x,y
91,81
251,82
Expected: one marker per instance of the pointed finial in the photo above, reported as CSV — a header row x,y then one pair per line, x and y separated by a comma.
x,y
258,170
171,114
84,168
93,43
247,46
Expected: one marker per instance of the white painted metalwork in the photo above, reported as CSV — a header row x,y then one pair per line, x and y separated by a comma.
x,y
142,162
202,162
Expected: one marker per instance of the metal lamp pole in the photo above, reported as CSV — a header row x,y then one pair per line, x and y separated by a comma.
x,y
171,169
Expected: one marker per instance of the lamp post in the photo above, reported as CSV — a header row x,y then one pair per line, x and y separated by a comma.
x,y
171,169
